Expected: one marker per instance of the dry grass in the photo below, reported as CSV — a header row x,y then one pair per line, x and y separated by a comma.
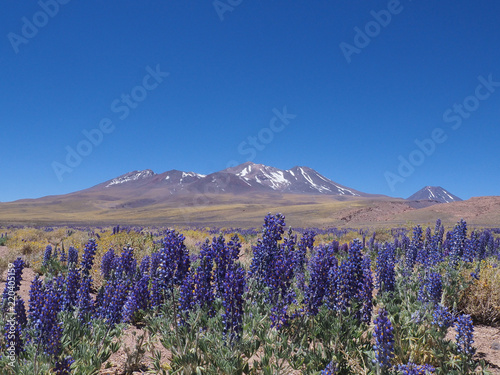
x,y
4,263
482,299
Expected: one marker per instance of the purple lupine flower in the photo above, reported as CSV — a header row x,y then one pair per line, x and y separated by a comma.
x,y
144,266
428,235
204,287
115,296
484,240
458,242
267,247
371,242
334,297
224,256
342,281
320,286
475,274
349,277
138,299
59,287
126,264
186,298
366,293
493,245
306,243
447,244
413,369
384,340
331,369
435,246
47,256
280,291
344,248
442,317
72,256
20,310
156,295
396,243
404,244
355,262
63,257
472,246
14,277
273,267
35,302
427,248
234,246
72,286
416,247
346,280
155,263
441,234
232,300
334,245
465,335
88,256
63,366
437,232
84,300
107,263
19,265
423,255
50,330
431,289
386,260
56,253
174,261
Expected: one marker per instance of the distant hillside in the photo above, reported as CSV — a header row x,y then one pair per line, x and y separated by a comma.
x,y
241,197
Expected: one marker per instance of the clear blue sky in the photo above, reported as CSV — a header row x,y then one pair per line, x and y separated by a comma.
x,y
353,119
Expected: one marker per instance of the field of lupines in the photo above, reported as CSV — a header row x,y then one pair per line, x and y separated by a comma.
x,y
287,304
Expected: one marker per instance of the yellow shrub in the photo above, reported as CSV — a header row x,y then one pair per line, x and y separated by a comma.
x,y
482,298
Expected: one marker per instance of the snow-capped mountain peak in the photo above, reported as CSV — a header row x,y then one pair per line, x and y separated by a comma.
x,y
434,193
246,177
314,181
131,176
294,180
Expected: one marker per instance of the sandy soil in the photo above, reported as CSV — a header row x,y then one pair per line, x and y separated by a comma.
x,y
116,363
487,344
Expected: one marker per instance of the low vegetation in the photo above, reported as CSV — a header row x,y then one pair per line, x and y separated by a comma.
x,y
273,301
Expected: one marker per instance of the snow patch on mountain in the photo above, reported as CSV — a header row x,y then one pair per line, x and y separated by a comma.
x,y
132,176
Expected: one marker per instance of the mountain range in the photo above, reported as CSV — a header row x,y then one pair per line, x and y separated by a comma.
x,y
241,196
252,178
242,179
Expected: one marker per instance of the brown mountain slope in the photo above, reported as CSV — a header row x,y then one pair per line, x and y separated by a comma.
x,y
482,211
301,210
